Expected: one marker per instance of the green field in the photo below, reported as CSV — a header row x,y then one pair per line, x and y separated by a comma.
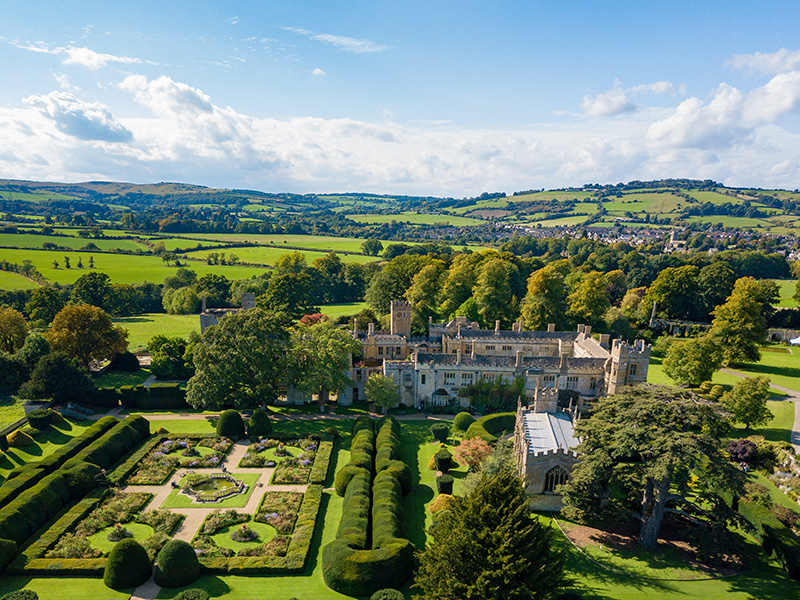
x,y
142,327
334,311
417,219
11,411
14,281
787,288
47,442
312,242
561,222
35,240
122,268
727,221
265,255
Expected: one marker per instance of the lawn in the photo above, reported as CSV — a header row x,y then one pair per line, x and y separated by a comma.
x,y
14,281
116,379
11,411
63,588
177,499
787,287
334,311
312,242
35,240
47,442
269,255
142,327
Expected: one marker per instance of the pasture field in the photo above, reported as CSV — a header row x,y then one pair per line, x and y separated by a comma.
x,y
787,287
728,221
417,219
183,243
655,202
142,327
312,242
73,231
562,221
265,255
334,311
34,240
551,195
122,268
713,197
14,281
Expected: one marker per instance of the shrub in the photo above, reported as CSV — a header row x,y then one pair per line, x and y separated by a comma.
x,y
192,594
127,566
230,425
259,424
490,426
8,551
440,432
3,443
444,484
443,460
387,594
332,431
21,595
124,361
742,451
716,392
31,431
705,387
176,565
441,502
462,421
19,439
785,515
40,418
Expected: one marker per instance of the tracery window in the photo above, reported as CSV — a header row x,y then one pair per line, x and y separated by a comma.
x,y
555,477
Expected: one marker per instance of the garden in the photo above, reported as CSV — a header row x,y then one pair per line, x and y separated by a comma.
x,y
186,452
291,459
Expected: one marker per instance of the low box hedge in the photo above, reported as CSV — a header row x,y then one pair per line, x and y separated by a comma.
x,y
319,470
129,465
488,427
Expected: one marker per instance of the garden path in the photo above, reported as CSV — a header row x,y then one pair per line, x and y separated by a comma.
x,y
794,397
147,591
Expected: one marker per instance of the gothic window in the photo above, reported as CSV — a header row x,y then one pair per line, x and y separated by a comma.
x,y
490,348
555,477
506,348
422,379
380,350
572,383
632,370
549,381
466,378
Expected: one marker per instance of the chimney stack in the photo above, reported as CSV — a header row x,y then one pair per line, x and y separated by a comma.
x,y
371,329
588,330
581,328
519,358
497,327
551,327
604,338
458,356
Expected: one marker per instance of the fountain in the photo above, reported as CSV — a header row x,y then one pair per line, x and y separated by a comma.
x,y
212,487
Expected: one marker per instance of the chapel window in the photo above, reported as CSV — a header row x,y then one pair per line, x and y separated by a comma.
x,y
555,477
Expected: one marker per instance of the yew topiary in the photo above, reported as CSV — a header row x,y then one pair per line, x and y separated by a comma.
x,y
259,424
230,425
19,439
192,594
128,565
176,565
440,431
21,595
387,594
462,421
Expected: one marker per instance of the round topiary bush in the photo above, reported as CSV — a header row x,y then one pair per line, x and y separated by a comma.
x,y
444,484
21,595
444,460
259,424
19,439
440,431
230,425
441,502
332,432
192,594
387,594
462,421
176,564
127,566
39,418
124,361
3,443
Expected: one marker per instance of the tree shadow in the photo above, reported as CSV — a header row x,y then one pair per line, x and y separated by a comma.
x,y
772,370
212,584
414,503
316,540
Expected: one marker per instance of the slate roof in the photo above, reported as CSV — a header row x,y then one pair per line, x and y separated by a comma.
x,y
549,431
549,336
543,362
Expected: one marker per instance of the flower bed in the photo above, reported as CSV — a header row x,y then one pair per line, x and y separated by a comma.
x,y
185,452
279,509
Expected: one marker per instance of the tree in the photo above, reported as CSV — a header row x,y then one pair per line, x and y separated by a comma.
x,y
13,330
60,377
93,288
715,283
87,333
494,294
747,401
44,304
383,391
124,300
424,293
372,247
647,442
215,288
488,545
590,300
675,293
181,301
393,280
289,293
241,361
740,325
544,302
472,452
694,361
321,357
169,357
458,283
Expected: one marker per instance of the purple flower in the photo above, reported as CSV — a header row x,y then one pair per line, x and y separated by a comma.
x,y
158,454
213,459
182,444
305,463
270,463
168,442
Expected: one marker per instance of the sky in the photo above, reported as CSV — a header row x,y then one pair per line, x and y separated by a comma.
x,y
445,98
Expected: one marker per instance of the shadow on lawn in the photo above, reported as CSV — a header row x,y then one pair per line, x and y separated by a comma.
x,y
413,439
772,370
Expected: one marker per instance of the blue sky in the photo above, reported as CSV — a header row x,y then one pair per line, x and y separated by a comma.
x,y
444,98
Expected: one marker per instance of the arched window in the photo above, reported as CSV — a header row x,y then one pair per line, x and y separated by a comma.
x,y
555,477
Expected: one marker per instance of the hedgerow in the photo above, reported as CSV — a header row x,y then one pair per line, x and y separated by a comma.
x,y
489,426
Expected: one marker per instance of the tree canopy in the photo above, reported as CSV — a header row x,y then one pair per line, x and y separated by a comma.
x,y
13,329
382,391
694,361
87,333
747,401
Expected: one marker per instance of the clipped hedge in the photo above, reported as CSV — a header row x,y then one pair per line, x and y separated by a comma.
x,y
25,479
444,484
176,565
387,594
118,441
40,418
775,537
193,594
319,470
490,427
443,460
462,421
21,595
259,424
163,395
230,425
8,551
440,432
362,447
127,566
353,564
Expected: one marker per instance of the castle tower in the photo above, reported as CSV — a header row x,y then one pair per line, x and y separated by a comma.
x,y
627,365
401,318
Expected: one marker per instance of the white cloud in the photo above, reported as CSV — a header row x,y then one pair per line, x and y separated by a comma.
x,y
348,44
657,87
83,56
83,120
768,63
613,102
232,20
318,72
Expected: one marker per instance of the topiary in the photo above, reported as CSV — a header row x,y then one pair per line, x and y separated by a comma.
x,y
124,361
387,594
441,502
55,416
716,392
161,430
259,424
3,443
230,425
176,565
19,439
192,594
21,595
440,431
40,418
462,421
127,566
444,460
8,552
31,431
444,484
333,432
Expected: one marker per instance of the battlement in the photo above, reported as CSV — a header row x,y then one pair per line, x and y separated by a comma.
x,y
621,348
556,452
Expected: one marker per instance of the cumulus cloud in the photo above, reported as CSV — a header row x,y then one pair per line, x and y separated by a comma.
x,y
83,120
616,101
318,72
347,44
768,63
82,56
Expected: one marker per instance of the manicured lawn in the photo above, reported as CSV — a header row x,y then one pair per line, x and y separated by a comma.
x,y
63,588
787,287
116,379
223,537
334,311
186,426
100,541
47,442
11,411
176,499
14,281
782,369
142,327
779,428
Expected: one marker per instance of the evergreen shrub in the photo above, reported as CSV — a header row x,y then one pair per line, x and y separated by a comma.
x,y
40,418
444,484
259,424
440,432
21,595
176,565
19,439
192,594
8,552
444,460
128,565
124,361
462,421
230,425
387,594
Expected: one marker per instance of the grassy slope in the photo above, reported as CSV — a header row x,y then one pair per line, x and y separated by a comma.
x,y
10,411
787,287
266,255
13,281
417,218
47,442
142,327
32,240
334,311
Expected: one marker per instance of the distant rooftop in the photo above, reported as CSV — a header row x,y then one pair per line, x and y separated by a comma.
x,y
549,431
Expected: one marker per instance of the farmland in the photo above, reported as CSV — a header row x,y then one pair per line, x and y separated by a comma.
x,y
12,281
415,219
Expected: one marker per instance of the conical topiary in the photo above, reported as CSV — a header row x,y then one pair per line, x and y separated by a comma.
x,y
128,565
230,425
259,424
176,565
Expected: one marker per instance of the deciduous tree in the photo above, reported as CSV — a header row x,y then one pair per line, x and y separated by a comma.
x,y
740,325
93,288
87,333
382,391
694,361
545,301
43,306
60,377
747,401
13,330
